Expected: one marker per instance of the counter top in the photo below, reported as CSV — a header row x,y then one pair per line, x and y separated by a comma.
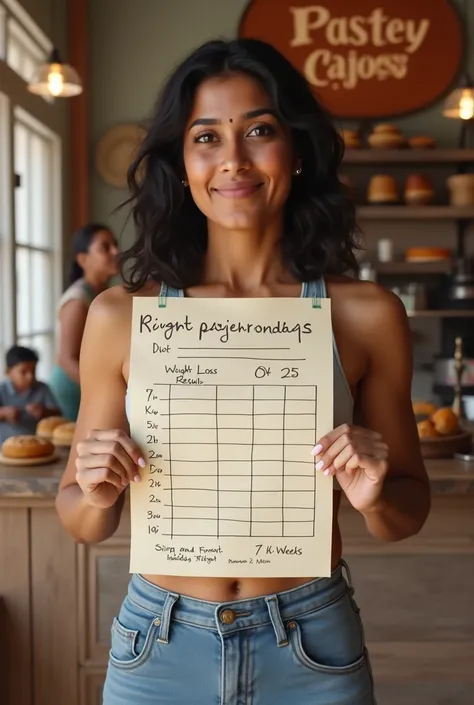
x,y
448,476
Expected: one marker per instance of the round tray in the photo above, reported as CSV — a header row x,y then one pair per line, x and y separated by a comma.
x,y
446,446
25,462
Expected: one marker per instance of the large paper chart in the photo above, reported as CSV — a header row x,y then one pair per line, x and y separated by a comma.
x,y
227,399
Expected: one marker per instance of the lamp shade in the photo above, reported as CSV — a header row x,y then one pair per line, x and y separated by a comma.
x,y
55,79
460,104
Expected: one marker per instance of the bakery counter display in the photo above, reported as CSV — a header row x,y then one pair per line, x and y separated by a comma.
x,y
413,196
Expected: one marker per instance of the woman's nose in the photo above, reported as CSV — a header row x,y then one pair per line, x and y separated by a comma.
x,y
235,156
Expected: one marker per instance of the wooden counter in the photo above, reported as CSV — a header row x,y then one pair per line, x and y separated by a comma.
x,y
58,599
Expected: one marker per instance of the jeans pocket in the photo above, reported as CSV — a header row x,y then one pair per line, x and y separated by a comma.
x,y
309,660
329,639
132,640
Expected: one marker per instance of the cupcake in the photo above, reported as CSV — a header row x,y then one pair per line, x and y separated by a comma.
x,y
418,190
351,139
382,190
386,136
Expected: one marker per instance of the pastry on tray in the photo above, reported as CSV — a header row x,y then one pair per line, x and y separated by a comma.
x,y
386,136
26,447
64,433
351,139
46,426
427,254
421,142
418,190
382,190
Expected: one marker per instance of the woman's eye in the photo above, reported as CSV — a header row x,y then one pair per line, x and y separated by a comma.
x,y
261,131
204,138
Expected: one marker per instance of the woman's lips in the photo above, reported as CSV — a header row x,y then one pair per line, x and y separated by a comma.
x,y
238,190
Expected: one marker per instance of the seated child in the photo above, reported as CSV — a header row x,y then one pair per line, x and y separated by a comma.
x,y
23,400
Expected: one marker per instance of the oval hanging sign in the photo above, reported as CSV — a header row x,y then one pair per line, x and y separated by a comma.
x,y
365,58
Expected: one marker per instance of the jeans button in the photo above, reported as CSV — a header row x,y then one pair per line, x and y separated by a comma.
x,y
227,616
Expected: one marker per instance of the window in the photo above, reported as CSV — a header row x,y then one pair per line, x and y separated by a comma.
x,y
36,246
22,43
23,55
30,201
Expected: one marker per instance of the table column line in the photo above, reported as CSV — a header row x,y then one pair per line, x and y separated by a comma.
x,y
217,461
251,458
283,467
171,467
316,440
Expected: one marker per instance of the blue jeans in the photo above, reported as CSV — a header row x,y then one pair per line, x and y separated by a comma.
x,y
303,646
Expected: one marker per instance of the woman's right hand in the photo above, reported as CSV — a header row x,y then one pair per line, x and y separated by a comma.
x,y
107,461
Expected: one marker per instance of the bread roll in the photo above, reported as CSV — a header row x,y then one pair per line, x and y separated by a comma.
x,y
26,447
63,434
46,426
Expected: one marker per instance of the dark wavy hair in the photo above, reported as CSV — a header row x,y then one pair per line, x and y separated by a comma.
x,y
319,232
82,240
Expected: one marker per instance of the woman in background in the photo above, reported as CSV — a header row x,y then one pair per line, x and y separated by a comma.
x,y
94,265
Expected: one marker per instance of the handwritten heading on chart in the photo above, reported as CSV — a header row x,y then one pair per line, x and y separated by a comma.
x,y
227,398
152,324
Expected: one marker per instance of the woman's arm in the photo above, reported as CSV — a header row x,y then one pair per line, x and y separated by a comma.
x,y
378,462
385,406
106,454
72,319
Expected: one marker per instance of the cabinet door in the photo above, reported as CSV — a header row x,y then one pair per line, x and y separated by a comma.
x,y
92,683
104,577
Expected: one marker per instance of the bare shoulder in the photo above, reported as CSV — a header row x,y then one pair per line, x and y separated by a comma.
x,y
370,307
115,304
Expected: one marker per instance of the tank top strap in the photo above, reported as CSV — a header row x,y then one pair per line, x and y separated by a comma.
x,y
315,289
169,291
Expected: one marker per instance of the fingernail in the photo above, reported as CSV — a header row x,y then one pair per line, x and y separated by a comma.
x,y
137,478
320,465
317,449
326,472
141,463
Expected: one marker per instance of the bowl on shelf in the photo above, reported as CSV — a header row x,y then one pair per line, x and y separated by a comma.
x,y
446,446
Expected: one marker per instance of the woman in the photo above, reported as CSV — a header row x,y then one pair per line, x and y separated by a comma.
x,y
236,194
94,265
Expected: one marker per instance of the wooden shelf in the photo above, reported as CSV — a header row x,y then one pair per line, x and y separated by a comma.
x,y
409,156
408,268
415,212
441,314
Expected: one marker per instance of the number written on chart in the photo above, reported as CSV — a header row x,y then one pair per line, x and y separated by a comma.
x,y
285,372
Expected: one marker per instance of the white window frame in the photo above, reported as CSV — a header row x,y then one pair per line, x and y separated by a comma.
x,y
17,27
7,276
31,123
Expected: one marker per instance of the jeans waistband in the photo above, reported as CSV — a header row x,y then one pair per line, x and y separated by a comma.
x,y
227,617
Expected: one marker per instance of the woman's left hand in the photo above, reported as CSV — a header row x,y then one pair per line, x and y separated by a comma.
x,y
357,457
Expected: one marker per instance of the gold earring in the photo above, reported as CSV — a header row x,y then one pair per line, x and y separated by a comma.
x,y
185,182
298,171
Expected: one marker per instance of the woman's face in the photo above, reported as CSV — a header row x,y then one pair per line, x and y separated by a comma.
x,y
238,157
101,258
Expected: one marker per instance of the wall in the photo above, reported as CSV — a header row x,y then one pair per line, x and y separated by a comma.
x,y
133,50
